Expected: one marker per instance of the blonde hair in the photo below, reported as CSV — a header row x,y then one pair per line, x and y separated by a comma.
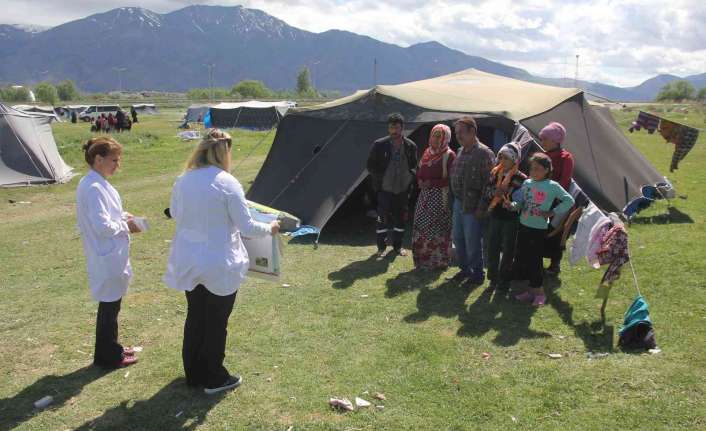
x,y
100,146
211,151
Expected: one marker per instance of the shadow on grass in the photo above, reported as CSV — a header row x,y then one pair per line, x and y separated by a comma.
x,y
360,270
20,408
596,335
175,406
411,280
672,216
446,300
497,310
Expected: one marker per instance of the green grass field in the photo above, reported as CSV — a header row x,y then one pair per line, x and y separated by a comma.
x,y
348,325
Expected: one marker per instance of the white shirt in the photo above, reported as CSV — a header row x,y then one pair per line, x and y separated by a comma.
x,y
106,237
210,211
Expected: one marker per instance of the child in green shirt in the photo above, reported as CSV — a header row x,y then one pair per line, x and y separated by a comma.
x,y
534,203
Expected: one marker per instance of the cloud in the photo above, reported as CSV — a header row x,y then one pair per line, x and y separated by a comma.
x,y
619,41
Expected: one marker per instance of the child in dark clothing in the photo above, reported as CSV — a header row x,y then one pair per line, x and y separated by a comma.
x,y
501,231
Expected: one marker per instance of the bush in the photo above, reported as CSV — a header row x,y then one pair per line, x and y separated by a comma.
x,y
701,97
15,94
676,91
67,90
45,92
252,89
205,93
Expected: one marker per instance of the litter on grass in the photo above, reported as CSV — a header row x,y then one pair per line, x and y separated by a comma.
x,y
341,403
361,403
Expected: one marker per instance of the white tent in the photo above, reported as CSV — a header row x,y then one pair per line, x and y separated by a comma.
x,y
28,153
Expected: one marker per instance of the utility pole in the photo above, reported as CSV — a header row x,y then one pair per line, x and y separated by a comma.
x,y
120,71
576,75
210,67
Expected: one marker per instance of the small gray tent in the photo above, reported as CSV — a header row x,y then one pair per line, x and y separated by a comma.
x,y
28,153
319,153
145,108
196,113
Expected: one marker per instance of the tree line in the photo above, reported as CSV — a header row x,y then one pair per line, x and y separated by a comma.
x,y
680,91
45,92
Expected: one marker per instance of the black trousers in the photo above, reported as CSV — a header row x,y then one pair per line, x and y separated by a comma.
x,y
391,209
205,333
529,255
108,352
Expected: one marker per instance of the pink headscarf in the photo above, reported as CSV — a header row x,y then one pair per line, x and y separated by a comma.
x,y
553,131
430,154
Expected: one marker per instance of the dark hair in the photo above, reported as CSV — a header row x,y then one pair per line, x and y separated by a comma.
x,y
544,161
102,145
395,118
468,121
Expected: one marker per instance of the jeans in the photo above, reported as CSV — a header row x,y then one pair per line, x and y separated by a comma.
x,y
500,239
467,233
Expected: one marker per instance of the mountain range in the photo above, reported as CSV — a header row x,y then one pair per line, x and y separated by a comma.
x,y
134,48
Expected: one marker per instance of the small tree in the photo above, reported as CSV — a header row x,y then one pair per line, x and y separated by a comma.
x,y
252,89
304,81
701,97
676,90
45,92
14,94
67,90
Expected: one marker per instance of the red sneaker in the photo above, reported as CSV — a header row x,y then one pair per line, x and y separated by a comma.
x,y
129,352
127,361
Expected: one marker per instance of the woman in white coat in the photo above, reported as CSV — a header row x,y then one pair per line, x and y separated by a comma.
x,y
105,230
208,260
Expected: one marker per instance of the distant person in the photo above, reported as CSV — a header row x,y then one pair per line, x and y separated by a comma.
x,y
133,112
105,231
535,201
119,120
392,164
552,137
74,117
111,121
431,231
469,177
501,230
104,123
208,260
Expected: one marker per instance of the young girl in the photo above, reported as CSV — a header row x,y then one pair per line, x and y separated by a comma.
x,y
501,233
534,203
105,230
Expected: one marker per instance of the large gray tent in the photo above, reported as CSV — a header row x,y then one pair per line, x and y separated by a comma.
x,y
254,115
28,153
319,153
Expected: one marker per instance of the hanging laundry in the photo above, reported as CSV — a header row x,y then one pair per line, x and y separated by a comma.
x,y
595,241
613,252
590,217
645,120
649,195
687,140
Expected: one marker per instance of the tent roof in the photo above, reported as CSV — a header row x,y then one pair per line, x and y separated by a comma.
x,y
144,105
254,104
470,91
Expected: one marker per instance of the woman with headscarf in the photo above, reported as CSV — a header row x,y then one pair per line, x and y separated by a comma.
x,y
431,233
552,137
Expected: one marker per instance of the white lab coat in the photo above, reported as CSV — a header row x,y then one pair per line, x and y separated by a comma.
x,y
106,237
209,207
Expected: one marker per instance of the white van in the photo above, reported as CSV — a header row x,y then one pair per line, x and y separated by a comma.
x,y
94,111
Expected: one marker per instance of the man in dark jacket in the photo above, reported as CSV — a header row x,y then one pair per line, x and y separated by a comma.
x,y
392,165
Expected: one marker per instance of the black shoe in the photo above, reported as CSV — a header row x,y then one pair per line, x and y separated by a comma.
x,y
553,270
232,383
476,279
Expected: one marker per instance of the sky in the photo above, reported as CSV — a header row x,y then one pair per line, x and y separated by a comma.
x,y
618,42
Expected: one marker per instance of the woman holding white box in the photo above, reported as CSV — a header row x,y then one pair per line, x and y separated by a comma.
x,y
208,260
105,231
